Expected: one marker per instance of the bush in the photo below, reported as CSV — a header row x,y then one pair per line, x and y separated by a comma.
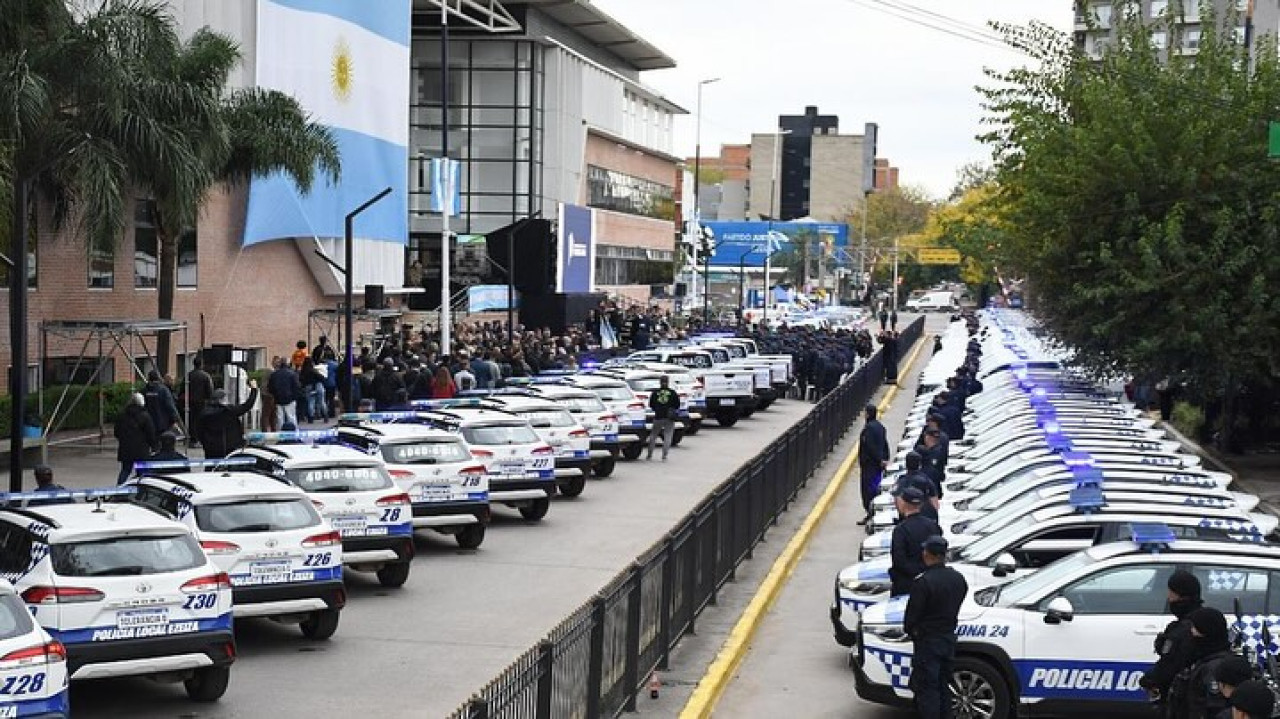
x,y
1188,419
82,416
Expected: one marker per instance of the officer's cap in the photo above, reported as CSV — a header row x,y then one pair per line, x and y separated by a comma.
x,y
909,494
1233,671
1184,584
936,545
1253,698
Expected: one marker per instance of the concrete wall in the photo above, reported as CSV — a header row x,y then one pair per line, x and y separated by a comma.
x,y
764,151
835,176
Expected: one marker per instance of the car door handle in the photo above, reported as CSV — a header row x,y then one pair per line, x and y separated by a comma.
x,y
1147,631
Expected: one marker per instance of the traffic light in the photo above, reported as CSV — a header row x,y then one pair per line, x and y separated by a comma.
x,y
708,244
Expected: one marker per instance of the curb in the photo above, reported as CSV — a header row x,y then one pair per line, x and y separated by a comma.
x,y
713,683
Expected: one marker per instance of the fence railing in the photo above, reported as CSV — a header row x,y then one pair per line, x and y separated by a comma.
x,y
595,662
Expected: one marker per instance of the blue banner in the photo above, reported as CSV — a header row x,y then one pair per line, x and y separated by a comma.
x,y
484,298
748,242
576,262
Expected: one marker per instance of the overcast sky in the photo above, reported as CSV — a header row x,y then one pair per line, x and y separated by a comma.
x,y
777,56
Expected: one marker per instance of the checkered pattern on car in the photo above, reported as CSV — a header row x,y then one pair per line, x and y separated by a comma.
x,y
1250,629
896,664
1238,529
1213,502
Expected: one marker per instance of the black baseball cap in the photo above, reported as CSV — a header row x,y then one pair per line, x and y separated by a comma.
x,y
936,545
1233,671
909,493
1253,698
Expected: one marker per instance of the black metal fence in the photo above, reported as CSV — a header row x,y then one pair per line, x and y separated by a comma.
x,y
595,662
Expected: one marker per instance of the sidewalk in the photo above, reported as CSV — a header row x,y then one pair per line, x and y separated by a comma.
x,y
1257,473
795,667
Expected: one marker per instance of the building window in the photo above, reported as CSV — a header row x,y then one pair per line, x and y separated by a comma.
x,y
1191,39
1158,8
78,370
1159,39
102,268
620,192
146,250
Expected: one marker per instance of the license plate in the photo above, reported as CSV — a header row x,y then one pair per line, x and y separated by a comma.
x,y
434,494
516,468
142,618
259,569
350,524
728,402
555,441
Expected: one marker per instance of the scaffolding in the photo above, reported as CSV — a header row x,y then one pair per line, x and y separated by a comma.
x,y
111,336
327,322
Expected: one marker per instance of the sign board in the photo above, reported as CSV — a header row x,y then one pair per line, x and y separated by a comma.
x,y
938,256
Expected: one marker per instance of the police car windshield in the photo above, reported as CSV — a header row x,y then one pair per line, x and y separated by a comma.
x,y
340,479
995,542
1030,585
126,556
582,404
267,515
15,619
425,453
614,394
492,434
549,418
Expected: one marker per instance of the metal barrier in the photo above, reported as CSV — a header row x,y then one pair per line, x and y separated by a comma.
x,y
595,662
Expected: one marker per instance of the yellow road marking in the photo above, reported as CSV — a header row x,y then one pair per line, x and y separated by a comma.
x,y
712,685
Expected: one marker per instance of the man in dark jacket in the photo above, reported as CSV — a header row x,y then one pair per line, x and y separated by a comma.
x,y
285,386
222,430
665,403
873,457
914,477
1173,645
386,384
908,537
199,392
135,434
1195,693
159,403
168,451
930,620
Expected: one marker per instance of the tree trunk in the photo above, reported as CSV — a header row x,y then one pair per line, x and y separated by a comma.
x,y
1227,420
167,256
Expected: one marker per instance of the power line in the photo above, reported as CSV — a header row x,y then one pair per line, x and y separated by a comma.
x,y
956,30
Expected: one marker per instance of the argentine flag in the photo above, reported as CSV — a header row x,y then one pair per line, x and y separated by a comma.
x,y
347,63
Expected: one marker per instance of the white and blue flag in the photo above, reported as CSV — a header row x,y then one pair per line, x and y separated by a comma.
x,y
347,63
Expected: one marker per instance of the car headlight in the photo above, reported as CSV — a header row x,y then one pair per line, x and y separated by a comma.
x,y
858,586
887,632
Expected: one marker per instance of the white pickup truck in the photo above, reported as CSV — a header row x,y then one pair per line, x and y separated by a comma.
x,y
729,392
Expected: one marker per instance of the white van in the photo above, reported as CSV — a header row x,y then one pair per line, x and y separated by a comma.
x,y
934,301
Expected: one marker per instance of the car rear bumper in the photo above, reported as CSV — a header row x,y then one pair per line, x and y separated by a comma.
x,y
521,490
449,514
376,550
298,597
152,655
740,402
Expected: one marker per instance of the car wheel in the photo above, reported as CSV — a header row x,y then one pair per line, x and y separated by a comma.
x,y
632,451
536,510
208,684
471,537
727,418
574,486
394,575
604,467
748,412
692,428
320,625
978,691
677,437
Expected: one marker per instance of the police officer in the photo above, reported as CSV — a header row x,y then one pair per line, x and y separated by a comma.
x,y
1230,673
932,612
908,537
1194,693
914,477
1252,700
873,457
933,462
1173,645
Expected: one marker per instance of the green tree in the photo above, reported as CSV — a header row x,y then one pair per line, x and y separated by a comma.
x,y
1141,203
890,214
241,134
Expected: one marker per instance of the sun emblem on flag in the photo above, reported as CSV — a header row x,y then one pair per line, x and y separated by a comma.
x,y
343,71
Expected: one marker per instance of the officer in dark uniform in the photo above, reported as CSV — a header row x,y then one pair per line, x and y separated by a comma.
x,y
932,613
908,537
873,457
1174,645
914,477
933,463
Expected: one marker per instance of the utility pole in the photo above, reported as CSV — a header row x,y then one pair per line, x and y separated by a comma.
x,y
446,204
863,282
697,191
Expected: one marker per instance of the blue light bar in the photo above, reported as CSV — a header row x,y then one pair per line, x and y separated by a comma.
x,y
1087,476
1077,459
1058,442
1151,534
589,366
86,494
1088,498
379,416
192,465
313,435
555,373
447,403
547,380
1050,426
516,381
1039,392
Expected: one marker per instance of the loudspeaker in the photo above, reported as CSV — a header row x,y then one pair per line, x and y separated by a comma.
x,y
534,265
558,310
375,297
681,289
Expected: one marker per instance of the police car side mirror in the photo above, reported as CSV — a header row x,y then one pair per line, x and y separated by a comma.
x,y
1059,610
1005,565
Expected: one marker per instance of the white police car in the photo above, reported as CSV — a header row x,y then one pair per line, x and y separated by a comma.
x,y
632,412
283,558
33,665
352,490
126,590
1039,538
1076,636
448,487
558,427
600,421
521,467
684,382
646,381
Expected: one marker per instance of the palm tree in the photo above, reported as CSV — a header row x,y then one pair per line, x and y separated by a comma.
x,y
246,132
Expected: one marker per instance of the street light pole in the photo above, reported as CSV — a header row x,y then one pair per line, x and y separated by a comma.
x,y
697,192
349,292
774,213
863,281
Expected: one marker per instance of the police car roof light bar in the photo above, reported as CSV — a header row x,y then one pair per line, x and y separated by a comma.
x,y
85,494
311,435
1087,498
192,465
1087,476
454,403
1077,459
1151,535
393,416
